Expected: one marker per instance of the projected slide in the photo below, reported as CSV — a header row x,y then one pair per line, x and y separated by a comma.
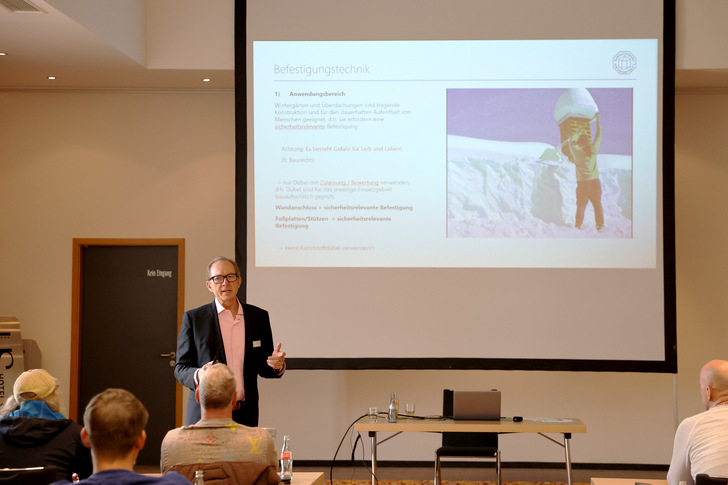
x,y
456,154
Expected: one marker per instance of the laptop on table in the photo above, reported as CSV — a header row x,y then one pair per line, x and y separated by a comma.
x,y
472,405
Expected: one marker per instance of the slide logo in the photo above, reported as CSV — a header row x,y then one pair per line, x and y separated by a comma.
x,y
624,62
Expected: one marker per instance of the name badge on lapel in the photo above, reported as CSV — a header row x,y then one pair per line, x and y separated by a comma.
x,y
256,343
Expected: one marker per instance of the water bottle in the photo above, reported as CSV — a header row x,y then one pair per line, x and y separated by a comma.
x,y
393,411
286,460
199,477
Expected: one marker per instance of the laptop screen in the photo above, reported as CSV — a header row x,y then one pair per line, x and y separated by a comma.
x,y
484,405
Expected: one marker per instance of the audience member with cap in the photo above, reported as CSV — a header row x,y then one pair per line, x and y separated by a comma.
x,y
701,441
114,423
33,432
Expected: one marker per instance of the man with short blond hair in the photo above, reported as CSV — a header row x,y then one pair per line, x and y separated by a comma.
x,y
114,423
701,441
216,437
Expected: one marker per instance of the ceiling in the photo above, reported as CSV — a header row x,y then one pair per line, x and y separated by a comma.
x,y
129,44
145,44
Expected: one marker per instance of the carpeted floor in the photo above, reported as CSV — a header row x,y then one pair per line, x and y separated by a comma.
x,y
444,482
482,476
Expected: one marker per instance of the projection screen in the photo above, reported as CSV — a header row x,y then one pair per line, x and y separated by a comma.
x,y
463,184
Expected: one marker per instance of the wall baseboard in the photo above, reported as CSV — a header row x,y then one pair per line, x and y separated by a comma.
x,y
483,464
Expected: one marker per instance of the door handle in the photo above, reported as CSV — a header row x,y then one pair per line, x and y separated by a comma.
x,y
171,357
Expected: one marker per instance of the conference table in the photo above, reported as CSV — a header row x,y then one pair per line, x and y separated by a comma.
x,y
308,478
541,426
628,481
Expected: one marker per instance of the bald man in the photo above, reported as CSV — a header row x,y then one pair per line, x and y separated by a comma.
x,y
701,441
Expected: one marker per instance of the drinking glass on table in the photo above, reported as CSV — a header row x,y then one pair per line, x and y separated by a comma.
x,y
409,409
373,414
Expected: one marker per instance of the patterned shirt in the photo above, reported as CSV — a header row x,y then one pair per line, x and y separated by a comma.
x,y
213,440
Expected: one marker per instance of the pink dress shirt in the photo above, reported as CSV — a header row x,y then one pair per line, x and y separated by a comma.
x,y
233,340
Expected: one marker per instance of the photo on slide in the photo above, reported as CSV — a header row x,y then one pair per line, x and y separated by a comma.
x,y
540,163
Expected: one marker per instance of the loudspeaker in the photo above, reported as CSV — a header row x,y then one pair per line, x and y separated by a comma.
x,y
447,399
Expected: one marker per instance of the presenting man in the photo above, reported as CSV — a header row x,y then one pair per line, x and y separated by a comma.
x,y
113,427
235,334
216,437
701,441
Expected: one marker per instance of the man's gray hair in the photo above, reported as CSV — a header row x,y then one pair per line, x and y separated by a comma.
x,y
221,258
217,386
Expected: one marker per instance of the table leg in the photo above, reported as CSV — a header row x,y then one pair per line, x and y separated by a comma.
x,y
567,452
373,437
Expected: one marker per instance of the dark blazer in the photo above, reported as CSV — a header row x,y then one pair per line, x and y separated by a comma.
x,y
200,342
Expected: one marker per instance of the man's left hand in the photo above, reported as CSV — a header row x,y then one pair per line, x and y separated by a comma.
x,y
277,359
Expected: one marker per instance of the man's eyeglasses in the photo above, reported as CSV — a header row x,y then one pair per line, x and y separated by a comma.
x,y
217,279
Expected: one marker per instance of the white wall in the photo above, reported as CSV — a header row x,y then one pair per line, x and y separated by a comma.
x,y
106,165
701,174
701,34
119,164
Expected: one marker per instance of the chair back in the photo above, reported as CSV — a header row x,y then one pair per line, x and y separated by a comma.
x,y
28,476
705,479
231,473
470,440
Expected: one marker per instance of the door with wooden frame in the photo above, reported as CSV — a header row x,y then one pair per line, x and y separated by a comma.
x,y
128,300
